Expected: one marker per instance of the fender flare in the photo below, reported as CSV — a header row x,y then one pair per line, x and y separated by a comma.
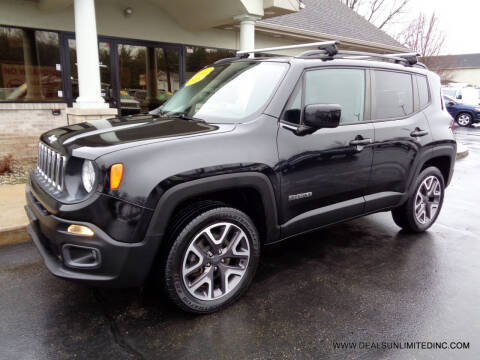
x,y
177,194
445,149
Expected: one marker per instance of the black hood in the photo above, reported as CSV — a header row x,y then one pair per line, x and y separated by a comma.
x,y
102,136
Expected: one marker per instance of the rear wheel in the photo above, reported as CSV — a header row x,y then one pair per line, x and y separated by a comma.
x,y
212,260
423,207
464,119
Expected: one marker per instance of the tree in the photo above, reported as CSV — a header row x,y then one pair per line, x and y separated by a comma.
x,y
378,12
424,36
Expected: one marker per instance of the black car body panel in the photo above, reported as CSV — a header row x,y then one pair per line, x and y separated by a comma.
x,y
299,181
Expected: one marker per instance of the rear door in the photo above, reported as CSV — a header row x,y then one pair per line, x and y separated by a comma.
x,y
401,134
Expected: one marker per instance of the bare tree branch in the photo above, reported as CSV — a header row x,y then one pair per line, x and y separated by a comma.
x,y
423,35
378,12
395,11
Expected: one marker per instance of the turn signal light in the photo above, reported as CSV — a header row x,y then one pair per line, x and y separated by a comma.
x,y
80,230
116,175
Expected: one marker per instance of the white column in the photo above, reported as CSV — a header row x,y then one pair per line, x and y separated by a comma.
x,y
247,31
87,56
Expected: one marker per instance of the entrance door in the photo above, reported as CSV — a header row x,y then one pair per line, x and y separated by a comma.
x,y
106,74
136,76
325,175
148,76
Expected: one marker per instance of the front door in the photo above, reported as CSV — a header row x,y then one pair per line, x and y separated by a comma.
x,y
325,175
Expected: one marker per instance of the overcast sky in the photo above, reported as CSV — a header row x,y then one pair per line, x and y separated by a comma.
x,y
458,19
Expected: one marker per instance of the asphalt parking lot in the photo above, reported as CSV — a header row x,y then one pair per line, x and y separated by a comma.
x,y
362,281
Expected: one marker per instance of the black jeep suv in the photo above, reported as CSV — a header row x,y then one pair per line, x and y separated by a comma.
x,y
249,152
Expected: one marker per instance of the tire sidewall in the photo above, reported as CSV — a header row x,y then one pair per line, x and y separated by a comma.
x,y
431,171
173,270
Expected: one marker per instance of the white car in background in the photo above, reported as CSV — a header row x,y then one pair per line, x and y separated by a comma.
x,y
465,95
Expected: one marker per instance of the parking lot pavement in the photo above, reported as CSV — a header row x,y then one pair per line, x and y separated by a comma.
x,y
362,281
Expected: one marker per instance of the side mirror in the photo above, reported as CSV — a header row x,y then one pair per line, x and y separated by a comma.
x,y
319,116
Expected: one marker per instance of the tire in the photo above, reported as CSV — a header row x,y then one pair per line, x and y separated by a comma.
x,y
203,274
406,215
464,119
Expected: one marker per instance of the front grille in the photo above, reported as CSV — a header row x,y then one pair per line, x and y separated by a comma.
x,y
51,166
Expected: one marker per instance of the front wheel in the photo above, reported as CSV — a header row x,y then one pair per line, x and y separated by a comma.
x,y
464,119
212,261
423,206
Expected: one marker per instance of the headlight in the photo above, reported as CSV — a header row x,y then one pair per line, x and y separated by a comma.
x,y
477,108
88,175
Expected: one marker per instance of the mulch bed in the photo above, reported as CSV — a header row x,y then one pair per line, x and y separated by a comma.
x,y
19,174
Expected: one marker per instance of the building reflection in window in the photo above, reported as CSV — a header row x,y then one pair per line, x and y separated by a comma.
x,y
29,65
199,57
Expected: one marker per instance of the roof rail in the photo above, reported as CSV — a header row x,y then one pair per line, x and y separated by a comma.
x,y
329,47
409,59
327,50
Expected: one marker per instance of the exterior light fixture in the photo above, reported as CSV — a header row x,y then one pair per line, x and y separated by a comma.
x,y
301,4
80,230
116,175
128,11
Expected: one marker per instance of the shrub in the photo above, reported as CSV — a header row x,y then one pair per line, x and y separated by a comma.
x,y
6,165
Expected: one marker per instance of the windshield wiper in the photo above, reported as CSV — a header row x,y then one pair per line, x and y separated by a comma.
x,y
184,116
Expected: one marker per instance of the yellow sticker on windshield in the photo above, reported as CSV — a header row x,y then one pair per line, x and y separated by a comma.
x,y
199,76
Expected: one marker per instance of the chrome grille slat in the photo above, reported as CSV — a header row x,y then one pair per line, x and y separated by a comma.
x,y
51,167
57,169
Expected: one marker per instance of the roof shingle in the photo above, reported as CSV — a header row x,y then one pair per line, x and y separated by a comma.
x,y
334,18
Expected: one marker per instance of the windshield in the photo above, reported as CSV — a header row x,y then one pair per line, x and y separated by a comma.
x,y
226,93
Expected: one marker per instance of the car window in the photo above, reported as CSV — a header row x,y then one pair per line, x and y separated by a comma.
x,y
345,87
393,95
293,110
423,91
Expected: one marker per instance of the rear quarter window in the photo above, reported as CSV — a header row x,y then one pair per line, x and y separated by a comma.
x,y
423,90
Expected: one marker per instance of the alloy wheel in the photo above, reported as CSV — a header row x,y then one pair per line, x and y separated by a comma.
x,y
215,261
427,199
463,119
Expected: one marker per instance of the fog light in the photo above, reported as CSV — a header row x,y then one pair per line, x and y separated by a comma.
x,y
82,257
80,230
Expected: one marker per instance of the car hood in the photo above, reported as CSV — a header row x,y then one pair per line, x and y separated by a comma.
x,y
92,139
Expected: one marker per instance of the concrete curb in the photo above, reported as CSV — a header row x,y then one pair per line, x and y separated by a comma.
x,y
462,151
14,235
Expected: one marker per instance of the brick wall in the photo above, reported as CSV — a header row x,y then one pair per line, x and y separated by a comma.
x,y
21,125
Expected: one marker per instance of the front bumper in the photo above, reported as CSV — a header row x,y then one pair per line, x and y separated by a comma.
x,y
119,264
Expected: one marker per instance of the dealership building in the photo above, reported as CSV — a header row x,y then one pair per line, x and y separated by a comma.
x,y
66,61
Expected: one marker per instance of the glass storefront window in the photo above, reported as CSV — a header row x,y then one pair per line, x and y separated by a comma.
x,y
105,70
148,76
29,65
199,57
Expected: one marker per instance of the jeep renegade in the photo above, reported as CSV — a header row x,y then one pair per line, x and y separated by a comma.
x,y
249,152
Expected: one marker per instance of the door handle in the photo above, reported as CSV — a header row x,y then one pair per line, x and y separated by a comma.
x,y
361,142
418,132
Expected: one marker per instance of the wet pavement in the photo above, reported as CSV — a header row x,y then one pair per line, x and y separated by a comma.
x,y
363,281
